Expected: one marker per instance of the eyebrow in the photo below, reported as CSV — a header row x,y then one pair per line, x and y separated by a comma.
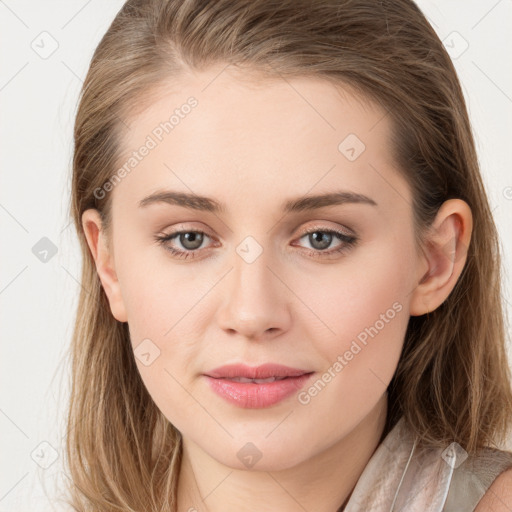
x,y
300,204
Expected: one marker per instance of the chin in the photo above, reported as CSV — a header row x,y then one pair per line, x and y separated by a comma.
x,y
261,455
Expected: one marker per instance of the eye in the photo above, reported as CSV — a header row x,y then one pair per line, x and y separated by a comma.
x,y
190,240
319,238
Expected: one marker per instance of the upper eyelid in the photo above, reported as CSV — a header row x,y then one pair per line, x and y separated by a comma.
x,y
305,231
181,227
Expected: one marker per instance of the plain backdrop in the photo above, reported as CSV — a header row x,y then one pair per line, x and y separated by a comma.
x,y
45,52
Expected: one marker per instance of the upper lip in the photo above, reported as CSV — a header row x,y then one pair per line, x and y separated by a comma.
x,y
263,371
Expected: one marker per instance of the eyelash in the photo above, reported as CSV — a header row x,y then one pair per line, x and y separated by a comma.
x,y
348,242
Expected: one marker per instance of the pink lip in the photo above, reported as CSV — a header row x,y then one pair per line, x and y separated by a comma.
x,y
252,395
263,371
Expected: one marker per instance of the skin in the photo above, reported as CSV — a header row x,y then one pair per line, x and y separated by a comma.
x,y
252,145
498,497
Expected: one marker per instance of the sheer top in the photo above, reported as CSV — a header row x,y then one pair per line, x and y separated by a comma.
x,y
401,477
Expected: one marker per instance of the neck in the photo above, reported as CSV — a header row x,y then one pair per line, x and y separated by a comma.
x,y
330,476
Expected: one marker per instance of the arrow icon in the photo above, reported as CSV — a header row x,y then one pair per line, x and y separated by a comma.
x,y
146,352
44,455
351,147
249,455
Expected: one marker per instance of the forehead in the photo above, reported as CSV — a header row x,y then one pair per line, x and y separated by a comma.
x,y
220,133
234,99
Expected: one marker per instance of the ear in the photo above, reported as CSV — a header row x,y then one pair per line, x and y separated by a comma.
x,y
104,259
444,256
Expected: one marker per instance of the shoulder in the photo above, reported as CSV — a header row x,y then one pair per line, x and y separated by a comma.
x,y
498,497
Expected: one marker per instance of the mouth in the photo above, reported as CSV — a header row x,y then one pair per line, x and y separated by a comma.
x,y
256,387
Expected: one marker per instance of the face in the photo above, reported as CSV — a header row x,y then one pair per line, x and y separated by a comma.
x,y
263,278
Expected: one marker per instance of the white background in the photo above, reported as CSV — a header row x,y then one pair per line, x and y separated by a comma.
x,y
38,101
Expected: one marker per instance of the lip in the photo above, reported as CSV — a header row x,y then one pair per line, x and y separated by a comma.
x,y
252,395
263,371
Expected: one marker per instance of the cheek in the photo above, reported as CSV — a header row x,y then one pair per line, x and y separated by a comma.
x,y
163,307
163,301
353,294
364,313
158,293
165,346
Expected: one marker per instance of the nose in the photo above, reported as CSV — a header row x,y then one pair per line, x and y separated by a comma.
x,y
256,301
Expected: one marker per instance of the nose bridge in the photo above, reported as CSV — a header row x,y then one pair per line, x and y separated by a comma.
x,y
251,304
251,279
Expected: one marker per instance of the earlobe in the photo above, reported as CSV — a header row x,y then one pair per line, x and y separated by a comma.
x,y
445,255
104,260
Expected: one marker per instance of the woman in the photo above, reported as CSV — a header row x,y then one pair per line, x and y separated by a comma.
x,y
219,363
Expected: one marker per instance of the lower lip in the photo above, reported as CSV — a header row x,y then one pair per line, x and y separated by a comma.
x,y
250,395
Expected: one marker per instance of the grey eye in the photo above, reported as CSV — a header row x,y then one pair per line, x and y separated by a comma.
x,y
191,240
322,239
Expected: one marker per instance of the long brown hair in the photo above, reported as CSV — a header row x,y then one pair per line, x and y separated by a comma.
x,y
452,382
